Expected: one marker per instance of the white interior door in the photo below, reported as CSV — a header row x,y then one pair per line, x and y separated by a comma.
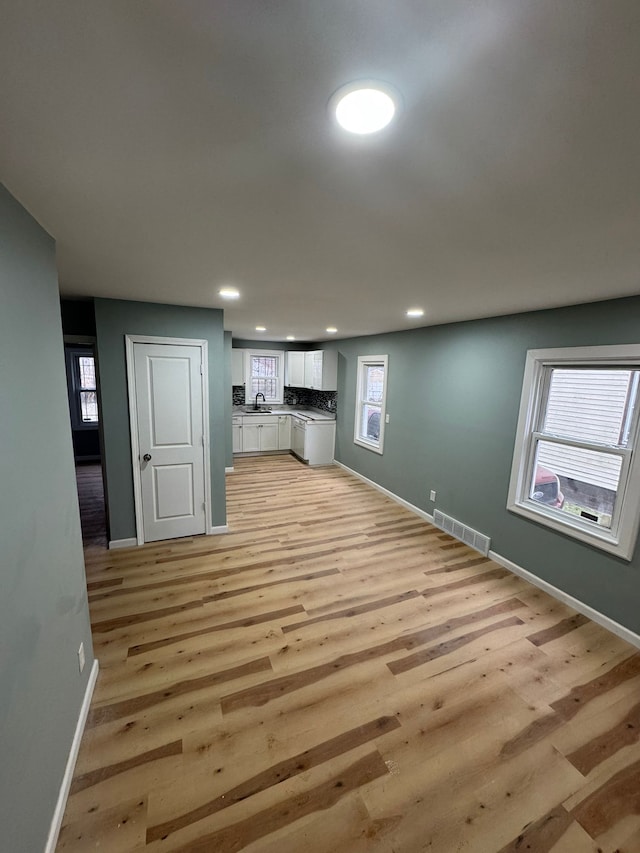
x,y
170,422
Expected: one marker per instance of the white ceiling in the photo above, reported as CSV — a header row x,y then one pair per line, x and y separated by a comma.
x,y
174,147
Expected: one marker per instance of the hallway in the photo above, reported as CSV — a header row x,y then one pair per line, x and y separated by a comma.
x,y
91,500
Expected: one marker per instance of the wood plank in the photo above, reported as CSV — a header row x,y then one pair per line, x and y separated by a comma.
x,y
279,772
235,837
116,710
271,616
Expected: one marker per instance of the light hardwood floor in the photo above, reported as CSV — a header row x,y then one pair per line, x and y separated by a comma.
x,y
336,675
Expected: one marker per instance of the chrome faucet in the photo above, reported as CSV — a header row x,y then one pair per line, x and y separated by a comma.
x,y
263,399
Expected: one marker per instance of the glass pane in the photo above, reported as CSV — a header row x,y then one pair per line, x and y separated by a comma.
x,y
264,366
268,387
370,423
87,367
373,383
579,482
591,405
89,406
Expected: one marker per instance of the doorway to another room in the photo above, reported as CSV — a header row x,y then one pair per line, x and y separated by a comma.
x,y
82,389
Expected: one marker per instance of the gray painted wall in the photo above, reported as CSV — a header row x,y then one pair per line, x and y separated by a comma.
x,y
43,599
453,398
116,318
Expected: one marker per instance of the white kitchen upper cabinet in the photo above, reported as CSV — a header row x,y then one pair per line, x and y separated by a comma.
x,y
295,369
313,369
237,367
321,370
316,369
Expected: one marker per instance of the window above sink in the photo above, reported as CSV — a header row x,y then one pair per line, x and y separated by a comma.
x,y
264,375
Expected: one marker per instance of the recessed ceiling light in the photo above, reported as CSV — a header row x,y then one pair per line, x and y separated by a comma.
x,y
363,107
332,330
229,293
415,312
261,328
290,338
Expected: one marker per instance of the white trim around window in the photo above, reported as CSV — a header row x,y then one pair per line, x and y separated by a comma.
x,y
84,415
264,372
562,425
371,397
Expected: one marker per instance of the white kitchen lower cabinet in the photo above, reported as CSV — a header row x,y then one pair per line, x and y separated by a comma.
x,y
298,433
284,432
268,437
320,442
313,442
250,437
255,434
236,431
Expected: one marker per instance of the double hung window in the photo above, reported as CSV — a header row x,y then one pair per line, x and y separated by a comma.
x,y
83,394
265,375
371,395
576,464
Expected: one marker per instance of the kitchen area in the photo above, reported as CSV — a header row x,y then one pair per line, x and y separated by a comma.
x,y
284,402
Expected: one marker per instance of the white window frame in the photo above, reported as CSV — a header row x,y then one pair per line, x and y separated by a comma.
x,y
260,353
620,539
365,361
72,355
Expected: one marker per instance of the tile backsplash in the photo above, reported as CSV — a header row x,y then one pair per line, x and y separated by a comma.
x,y
324,400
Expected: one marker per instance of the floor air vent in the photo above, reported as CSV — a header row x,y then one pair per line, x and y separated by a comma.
x,y
465,534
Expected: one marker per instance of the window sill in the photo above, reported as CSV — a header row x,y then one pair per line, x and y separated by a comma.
x,y
368,445
601,539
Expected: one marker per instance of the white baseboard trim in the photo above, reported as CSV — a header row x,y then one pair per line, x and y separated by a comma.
x,y
229,470
123,543
559,594
58,814
411,507
595,616
215,531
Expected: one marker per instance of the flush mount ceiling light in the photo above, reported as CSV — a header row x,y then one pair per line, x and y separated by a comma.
x,y
365,106
290,338
229,293
261,328
332,330
415,312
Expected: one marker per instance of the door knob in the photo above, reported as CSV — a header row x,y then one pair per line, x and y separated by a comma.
x,y
147,457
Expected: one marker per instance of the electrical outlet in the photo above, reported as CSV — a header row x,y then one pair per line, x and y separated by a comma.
x,y
432,495
81,657
386,419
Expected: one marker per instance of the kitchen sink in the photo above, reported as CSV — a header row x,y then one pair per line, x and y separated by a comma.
x,y
251,410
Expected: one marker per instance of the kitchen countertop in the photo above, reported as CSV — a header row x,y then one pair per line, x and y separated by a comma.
x,y
307,414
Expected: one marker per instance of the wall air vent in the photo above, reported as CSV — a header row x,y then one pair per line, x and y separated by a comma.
x,y
465,534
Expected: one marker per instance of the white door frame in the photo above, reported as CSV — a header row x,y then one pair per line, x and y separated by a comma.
x,y
130,340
